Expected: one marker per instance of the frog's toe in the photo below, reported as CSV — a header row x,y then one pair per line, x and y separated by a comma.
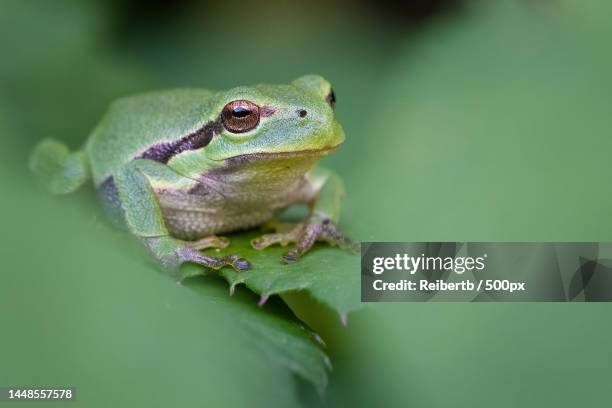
x,y
240,264
266,240
291,256
194,256
212,241
332,235
308,235
313,231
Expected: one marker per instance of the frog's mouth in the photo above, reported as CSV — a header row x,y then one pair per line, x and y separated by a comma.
x,y
265,156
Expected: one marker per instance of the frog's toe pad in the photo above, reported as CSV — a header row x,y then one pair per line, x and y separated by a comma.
x,y
241,265
290,257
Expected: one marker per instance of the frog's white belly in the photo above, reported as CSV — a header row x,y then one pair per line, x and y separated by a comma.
x,y
232,201
191,216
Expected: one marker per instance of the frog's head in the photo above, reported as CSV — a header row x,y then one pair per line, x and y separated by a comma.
x,y
270,120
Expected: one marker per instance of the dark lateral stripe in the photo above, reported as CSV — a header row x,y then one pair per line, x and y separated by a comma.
x,y
163,152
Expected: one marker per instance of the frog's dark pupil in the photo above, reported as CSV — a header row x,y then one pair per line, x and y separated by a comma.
x,y
240,112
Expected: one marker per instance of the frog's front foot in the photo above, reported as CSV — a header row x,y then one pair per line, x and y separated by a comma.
x,y
304,235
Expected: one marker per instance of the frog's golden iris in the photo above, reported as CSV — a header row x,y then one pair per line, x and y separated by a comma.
x,y
240,116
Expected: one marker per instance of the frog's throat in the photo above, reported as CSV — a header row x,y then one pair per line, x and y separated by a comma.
x,y
271,156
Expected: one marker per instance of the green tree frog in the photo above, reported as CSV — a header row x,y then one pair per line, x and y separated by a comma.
x,y
178,167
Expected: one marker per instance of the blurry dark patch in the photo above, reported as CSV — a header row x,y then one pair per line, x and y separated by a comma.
x,y
163,152
302,113
416,12
135,14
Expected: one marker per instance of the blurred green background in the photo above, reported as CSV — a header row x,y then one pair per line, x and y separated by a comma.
x,y
464,121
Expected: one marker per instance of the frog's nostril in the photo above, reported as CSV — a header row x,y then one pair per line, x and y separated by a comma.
x,y
302,113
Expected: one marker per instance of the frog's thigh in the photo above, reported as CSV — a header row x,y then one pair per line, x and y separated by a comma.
x,y
142,211
144,217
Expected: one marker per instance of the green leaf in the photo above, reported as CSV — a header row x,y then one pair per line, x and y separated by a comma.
x,y
330,275
275,331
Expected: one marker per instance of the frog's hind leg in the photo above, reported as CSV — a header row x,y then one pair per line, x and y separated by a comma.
x,y
190,255
60,170
144,218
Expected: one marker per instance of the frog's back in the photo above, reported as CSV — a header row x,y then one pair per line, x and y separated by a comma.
x,y
134,123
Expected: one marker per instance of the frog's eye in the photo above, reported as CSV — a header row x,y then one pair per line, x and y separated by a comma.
x,y
240,116
331,98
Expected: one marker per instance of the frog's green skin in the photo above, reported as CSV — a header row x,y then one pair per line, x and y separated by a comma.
x,y
171,169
